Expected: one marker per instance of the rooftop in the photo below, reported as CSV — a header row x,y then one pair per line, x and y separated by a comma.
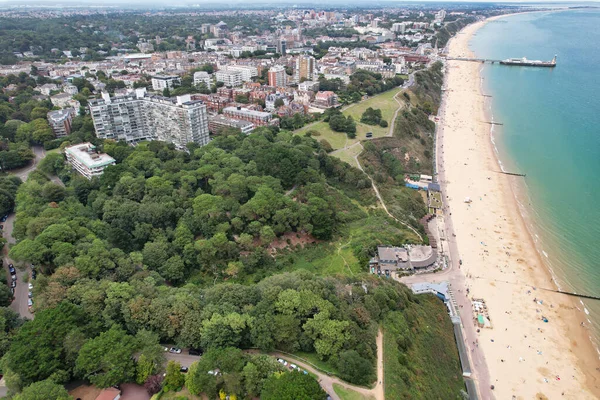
x,y
260,114
86,154
60,115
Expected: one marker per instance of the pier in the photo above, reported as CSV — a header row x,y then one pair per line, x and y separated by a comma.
x,y
479,60
520,62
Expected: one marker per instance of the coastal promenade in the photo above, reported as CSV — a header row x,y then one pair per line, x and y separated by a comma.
x,y
522,355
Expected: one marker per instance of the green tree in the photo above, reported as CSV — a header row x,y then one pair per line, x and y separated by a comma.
x,y
356,369
37,349
292,386
107,359
44,390
143,369
174,379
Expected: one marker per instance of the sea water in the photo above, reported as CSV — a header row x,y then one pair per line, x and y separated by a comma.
x,y
551,133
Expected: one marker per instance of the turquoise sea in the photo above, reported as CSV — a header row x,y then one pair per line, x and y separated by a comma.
x,y
551,132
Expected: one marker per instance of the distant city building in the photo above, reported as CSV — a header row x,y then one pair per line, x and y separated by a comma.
x,y
60,121
272,98
85,160
305,68
61,99
47,88
247,71
138,117
70,89
259,118
282,47
161,82
325,99
230,78
202,77
306,86
219,122
277,76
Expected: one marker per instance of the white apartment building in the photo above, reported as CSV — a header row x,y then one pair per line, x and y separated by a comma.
x,y
248,71
161,82
85,160
202,77
138,117
230,78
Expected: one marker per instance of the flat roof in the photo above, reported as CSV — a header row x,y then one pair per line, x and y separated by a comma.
x,y
247,111
85,154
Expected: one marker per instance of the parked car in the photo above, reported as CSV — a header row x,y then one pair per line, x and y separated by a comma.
x,y
33,274
387,273
369,134
13,277
13,284
175,350
29,302
30,295
12,270
4,218
30,286
183,369
195,352
10,266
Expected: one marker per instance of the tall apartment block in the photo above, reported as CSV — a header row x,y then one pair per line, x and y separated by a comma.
x,y
305,68
138,117
277,76
60,121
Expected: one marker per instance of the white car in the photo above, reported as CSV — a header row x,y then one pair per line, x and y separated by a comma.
x,y
30,286
175,350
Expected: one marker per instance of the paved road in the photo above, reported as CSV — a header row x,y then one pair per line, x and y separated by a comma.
x,y
21,296
183,358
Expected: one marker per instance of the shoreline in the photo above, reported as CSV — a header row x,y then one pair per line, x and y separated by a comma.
x,y
525,356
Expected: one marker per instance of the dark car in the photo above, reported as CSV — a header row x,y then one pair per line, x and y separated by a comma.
x,y
183,369
195,352
378,272
369,134
33,274
12,270
3,219
387,272
10,266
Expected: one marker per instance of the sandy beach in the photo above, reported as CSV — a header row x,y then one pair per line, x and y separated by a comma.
x,y
526,357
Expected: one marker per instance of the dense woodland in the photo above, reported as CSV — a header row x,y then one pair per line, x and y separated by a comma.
x,y
195,249
100,32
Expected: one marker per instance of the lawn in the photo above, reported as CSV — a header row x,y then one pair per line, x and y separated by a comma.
x,y
337,140
384,101
347,394
348,154
327,259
